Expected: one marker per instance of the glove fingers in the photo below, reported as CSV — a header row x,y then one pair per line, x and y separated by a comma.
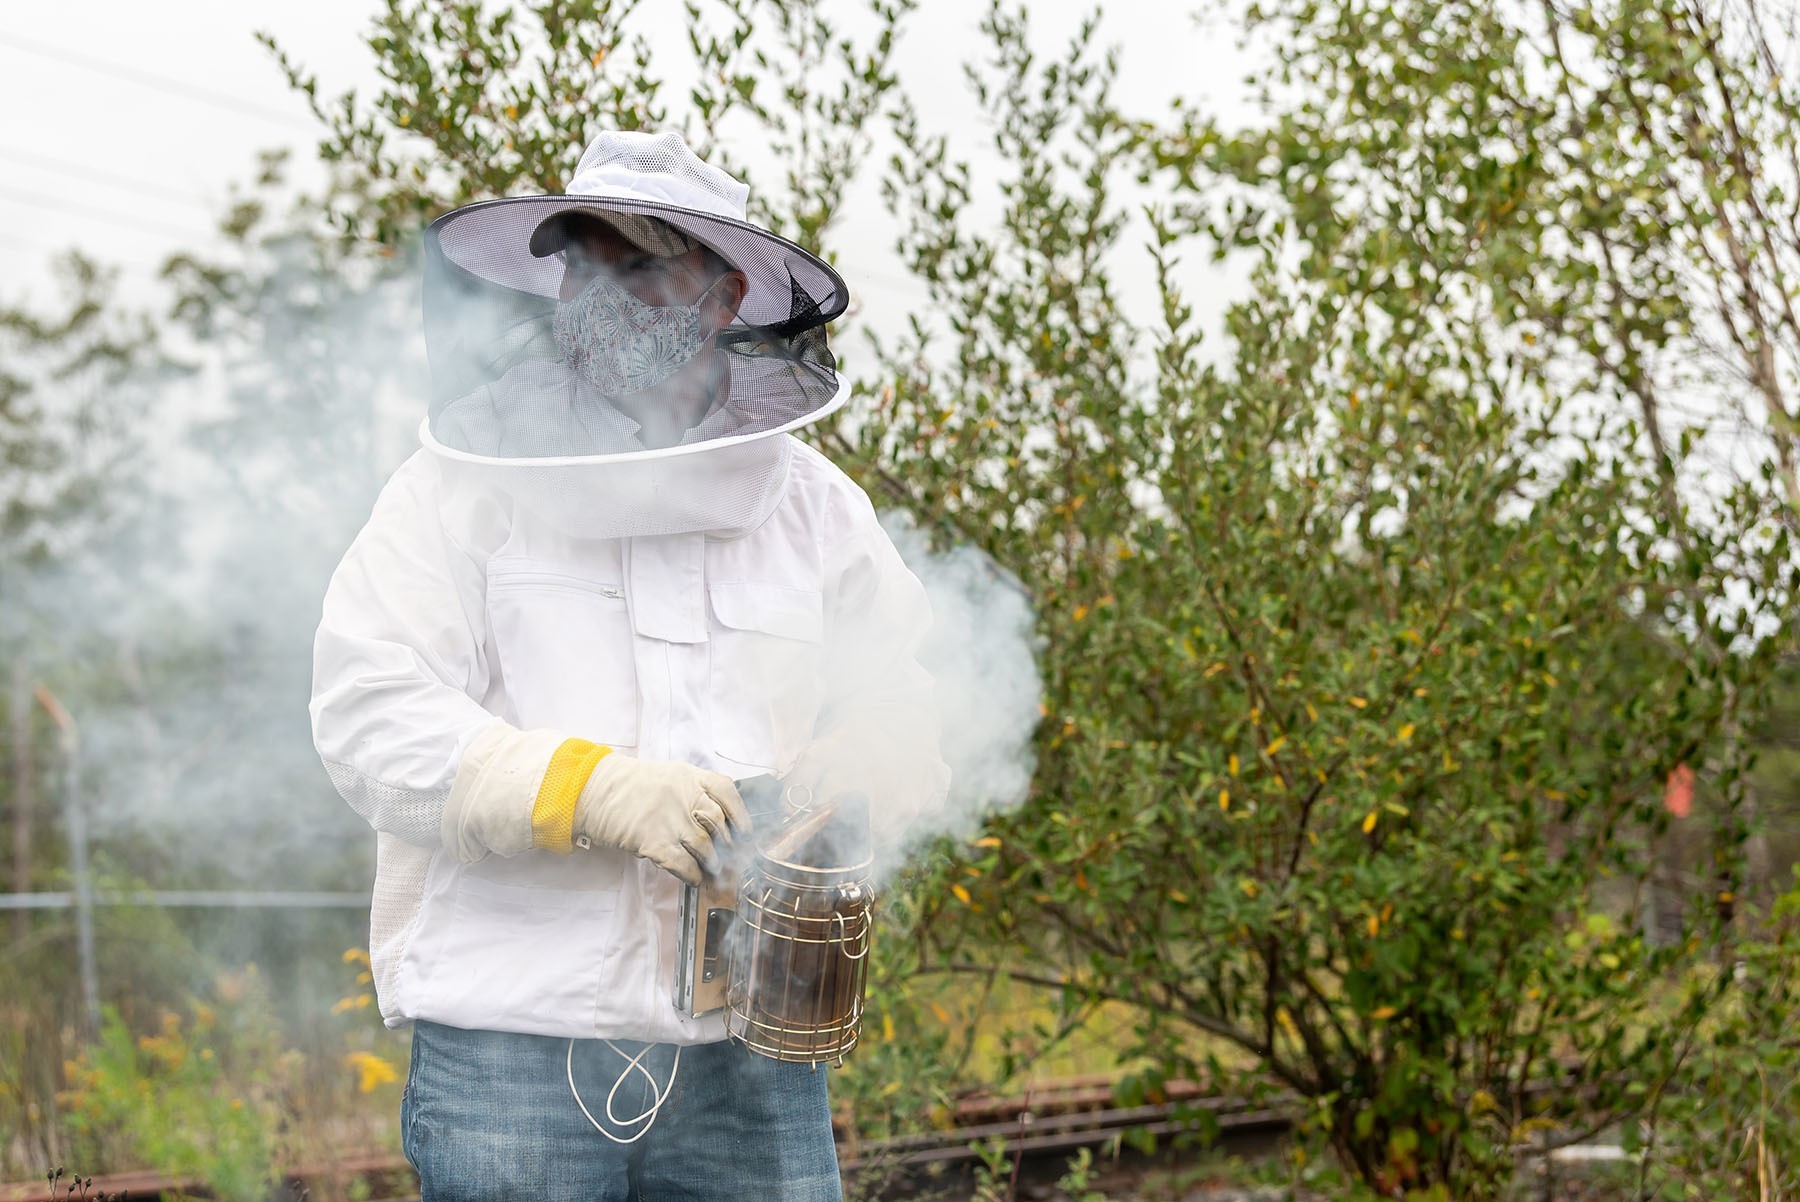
x,y
722,791
704,853
681,861
711,835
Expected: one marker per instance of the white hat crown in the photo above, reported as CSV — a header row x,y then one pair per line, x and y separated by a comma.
x,y
658,168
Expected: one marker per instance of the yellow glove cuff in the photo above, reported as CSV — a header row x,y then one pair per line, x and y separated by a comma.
x,y
553,814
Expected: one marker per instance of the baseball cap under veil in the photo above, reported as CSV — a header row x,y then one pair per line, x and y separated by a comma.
x,y
509,412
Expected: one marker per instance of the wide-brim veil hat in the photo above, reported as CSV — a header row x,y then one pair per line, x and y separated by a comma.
x,y
503,396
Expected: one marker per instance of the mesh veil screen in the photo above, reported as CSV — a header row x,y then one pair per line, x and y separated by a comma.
x,y
500,387
510,408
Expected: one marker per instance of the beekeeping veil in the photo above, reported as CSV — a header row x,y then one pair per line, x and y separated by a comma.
x,y
510,409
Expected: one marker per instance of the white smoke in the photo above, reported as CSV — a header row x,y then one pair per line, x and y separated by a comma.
x,y
197,628
980,654
185,650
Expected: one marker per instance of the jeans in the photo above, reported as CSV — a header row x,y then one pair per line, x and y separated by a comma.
x,y
489,1115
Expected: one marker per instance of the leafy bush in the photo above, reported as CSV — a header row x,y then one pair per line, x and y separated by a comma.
x,y
1728,1126
203,1099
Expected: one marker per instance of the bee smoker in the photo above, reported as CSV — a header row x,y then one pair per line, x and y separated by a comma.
x,y
781,942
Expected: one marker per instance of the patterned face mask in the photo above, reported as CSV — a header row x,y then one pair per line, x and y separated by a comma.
x,y
621,345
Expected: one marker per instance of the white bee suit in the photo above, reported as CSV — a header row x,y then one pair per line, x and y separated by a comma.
x,y
733,651
548,625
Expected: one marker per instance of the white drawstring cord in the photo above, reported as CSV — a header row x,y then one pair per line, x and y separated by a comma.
x,y
635,1064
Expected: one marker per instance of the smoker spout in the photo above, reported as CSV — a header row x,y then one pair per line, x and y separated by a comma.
x,y
833,837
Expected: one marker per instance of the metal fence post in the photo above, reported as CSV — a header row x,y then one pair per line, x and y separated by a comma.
x,y
78,856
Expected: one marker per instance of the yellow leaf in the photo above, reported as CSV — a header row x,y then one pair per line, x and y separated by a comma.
x,y
942,1014
1248,886
988,841
1369,822
1224,799
1311,712
1179,896
1231,765
1277,745
1382,1012
962,895
1374,926
887,1027
1081,611
356,955
1406,732
1359,703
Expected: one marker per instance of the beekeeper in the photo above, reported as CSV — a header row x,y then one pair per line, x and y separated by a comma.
x,y
610,584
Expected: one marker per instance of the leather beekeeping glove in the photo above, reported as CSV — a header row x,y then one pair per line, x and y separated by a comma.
x,y
669,813
517,790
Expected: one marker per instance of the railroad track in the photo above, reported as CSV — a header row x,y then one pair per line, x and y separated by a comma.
x,y
1051,1120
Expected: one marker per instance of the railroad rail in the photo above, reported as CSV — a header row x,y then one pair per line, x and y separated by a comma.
x,y
1047,1120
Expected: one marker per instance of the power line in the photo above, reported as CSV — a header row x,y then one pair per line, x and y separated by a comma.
x,y
151,79
63,204
46,250
111,179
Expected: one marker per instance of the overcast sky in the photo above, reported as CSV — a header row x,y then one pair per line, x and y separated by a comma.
x,y
126,123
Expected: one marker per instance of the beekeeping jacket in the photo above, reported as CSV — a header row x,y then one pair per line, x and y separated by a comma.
x,y
727,602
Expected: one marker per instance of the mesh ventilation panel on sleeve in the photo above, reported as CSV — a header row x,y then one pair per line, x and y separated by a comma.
x,y
400,871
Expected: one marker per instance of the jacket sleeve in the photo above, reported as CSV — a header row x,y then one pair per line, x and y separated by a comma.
x,y
880,727
398,661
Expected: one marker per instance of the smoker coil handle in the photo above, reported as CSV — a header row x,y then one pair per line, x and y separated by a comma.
x,y
843,938
798,799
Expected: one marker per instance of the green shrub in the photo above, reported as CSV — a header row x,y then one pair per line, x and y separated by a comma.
x,y
1729,1125
202,1100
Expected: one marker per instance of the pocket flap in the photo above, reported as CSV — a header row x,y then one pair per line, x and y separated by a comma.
x,y
789,613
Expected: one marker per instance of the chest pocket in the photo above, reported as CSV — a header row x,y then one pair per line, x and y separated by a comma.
x,y
565,651
767,671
